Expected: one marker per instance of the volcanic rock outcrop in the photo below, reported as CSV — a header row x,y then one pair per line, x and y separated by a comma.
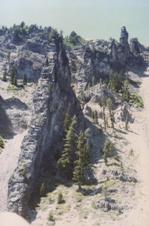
x,y
52,100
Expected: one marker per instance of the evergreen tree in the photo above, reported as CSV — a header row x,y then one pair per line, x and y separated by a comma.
x,y
47,62
104,118
111,113
126,117
67,122
107,150
83,160
5,75
92,115
8,58
65,163
125,91
95,117
13,78
24,79
115,82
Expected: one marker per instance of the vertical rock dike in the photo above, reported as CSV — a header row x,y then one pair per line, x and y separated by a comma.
x,y
52,99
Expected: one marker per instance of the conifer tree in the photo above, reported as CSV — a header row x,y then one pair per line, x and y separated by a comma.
x,y
95,117
104,118
24,79
13,78
125,91
47,62
67,122
111,113
83,160
107,150
5,75
126,118
65,163
114,82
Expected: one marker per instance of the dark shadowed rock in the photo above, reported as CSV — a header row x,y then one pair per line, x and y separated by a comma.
x,y
52,100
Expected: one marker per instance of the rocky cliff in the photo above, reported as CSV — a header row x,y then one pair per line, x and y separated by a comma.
x,y
53,98
59,68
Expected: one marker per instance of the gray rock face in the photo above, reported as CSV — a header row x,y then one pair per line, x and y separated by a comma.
x,y
89,61
53,98
17,113
109,205
98,59
89,64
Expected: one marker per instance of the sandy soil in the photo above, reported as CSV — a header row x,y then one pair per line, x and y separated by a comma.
x,y
139,142
8,162
12,219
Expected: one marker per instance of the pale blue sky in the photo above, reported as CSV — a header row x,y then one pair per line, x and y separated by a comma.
x,y
90,18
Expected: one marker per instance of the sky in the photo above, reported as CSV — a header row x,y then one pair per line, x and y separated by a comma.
x,y
92,19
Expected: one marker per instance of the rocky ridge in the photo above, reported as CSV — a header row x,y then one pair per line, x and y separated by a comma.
x,y
59,71
52,99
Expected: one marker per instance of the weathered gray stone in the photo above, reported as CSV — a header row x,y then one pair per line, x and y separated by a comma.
x,y
45,137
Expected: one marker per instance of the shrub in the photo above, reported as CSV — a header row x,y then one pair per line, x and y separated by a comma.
x,y
136,101
42,189
2,145
51,217
125,91
115,82
108,151
60,198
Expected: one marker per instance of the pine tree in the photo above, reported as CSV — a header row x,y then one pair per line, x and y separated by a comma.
x,y
104,118
95,117
115,82
5,75
65,162
107,150
111,113
8,58
67,122
13,78
47,62
83,160
125,91
126,118
24,80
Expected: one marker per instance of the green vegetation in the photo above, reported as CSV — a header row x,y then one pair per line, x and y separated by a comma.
x,y
108,151
13,77
53,34
83,160
51,217
118,84
109,104
4,76
75,158
73,40
65,163
104,117
60,198
115,82
95,116
47,62
136,100
42,189
2,144
67,122
24,79
125,91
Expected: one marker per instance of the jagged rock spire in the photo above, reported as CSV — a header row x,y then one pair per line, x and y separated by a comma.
x,y
124,36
